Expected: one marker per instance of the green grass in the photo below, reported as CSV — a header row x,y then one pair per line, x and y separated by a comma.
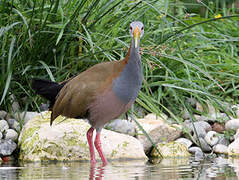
x,y
182,56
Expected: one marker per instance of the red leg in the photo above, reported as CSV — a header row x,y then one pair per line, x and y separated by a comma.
x,y
90,142
99,149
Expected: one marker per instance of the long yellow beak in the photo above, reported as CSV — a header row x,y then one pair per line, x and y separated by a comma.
x,y
136,35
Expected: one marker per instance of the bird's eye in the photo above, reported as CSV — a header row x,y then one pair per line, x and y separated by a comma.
x,y
142,28
130,28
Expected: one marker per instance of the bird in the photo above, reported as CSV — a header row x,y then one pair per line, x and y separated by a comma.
x,y
100,94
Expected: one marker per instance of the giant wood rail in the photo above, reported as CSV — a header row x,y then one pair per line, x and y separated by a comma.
x,y
100,94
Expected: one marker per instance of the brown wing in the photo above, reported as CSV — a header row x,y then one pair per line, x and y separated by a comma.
x,y
76,96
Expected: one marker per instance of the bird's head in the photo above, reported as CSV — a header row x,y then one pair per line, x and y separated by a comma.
x,y
136,30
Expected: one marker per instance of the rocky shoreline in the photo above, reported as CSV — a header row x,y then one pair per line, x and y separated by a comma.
x,y
35,140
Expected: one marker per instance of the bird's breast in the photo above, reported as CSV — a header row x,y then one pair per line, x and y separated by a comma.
x,y
127,85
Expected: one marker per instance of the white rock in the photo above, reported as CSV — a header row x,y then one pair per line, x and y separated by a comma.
x,y
233,148
3,126
162,117
158,130
220,149
66,140
185,141
236,136
26,116
212,138
11,134
1,136
232,124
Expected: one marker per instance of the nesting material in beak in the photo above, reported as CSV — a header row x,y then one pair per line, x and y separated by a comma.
x,y
136,35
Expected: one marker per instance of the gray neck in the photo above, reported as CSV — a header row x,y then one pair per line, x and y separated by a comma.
x,y
127,85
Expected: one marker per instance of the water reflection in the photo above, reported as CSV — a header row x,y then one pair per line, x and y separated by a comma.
x,y
218,168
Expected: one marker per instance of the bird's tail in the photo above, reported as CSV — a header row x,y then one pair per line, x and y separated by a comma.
x,y
47,89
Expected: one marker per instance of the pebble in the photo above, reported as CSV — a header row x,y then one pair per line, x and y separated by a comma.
x,y
212,138
192,102
3,126
232,124
15,105
14,124
233,148
197,152
185,141
7,147
186,114
200,131
122,126
220,149
236,136
205,147
44,107
11,134
26,116
223,140
3,114
199,107
219,128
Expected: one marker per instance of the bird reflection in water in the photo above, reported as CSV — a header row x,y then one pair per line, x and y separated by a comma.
x,y
96,172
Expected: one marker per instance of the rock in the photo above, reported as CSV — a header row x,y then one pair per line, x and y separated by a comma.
x,y
7,147
3,126
1,136
212,117
192,102
15,105
11,134
66,140
201,128
13,124
211,110
232,124
44,107
185,141
122,126
236,136
162,117
211,138
186,114
197,152
224,141
199,107
233,148
205,125
200,118
3,114
220,149
237,113
158,130
205,147
219,128
26,116
170,149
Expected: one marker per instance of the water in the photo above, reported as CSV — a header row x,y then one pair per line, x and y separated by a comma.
x,y
167,169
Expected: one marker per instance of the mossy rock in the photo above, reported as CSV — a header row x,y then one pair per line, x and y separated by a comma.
x,y
66,140
170,150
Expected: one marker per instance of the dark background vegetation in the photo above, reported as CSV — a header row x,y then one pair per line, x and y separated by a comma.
x,y
189,49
